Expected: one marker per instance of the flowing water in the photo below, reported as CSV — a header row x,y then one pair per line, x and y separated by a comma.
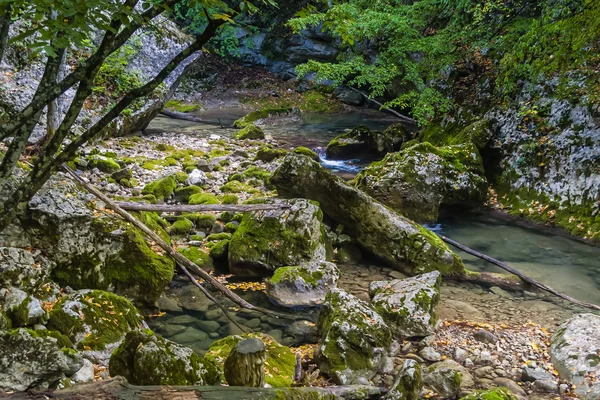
x,y
566,264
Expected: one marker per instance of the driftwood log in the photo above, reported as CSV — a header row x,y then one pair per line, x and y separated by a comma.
x,y
118,389
181,116
245,365
187,208
394,112
183,262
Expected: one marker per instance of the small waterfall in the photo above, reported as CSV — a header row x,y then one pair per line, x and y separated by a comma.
x,y
352,166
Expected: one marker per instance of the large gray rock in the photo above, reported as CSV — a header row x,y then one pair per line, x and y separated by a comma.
x,y
390,236
23,269
417,180
267,240
409,306
146,359
302,286
354,339
91,249
361,141
574,351
28,361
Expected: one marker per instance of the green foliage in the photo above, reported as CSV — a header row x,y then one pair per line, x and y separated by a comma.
x,y
114,77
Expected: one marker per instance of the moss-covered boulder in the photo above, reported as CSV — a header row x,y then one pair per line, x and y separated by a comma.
x,y
418,180
444,378
94,319
409,306
21,309
302,286
258,115
361,141
238,187
491,394
307,152
146,359
203,198
408,383
270,239
268,153
104,164
29,360
478,133
280,364
393,238
182,226
251,132
162,188
354,339
197,256
574,351
183,194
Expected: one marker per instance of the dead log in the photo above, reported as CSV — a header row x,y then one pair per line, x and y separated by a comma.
x,y
181,260
187,208
522,276
118,389
182,116
245,365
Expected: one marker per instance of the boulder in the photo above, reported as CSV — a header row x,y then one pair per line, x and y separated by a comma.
x,y
408,384
445,378
574,352
395,239
280,364
251,132
95,250
354,339
302,286
146,359
94,319
196,178
409,306
30,361
21,308
23,269
417,180
361,142
267,240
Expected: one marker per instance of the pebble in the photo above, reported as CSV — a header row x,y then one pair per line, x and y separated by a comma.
x,y
460,355
534,374
429,354
483,372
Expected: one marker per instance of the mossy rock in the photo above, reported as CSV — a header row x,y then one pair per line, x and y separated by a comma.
x,y
258,115
203,198
491,394
219,236
280,364
219,250
180,176
147,359
92,319
477,133
183,194
180,106
201,221
104,164
238,187
307,152
230,199
251,132
197,256
231,227
182,226
162,188
268,153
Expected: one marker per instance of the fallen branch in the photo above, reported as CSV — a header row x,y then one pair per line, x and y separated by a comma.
x,y
513,271
396,113
182,116
181,260
186,208
118,389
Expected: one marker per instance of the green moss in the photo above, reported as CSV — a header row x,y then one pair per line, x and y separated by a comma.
x,y
257,173
162,188
280,364
182,226
94,318
492,394
307,152
220,249
164,147
268,153
217,152
62,340
292,274
237,187
203,198
230,199
231,227
180,106
259,114
181,176
104,164
251,132
219,236
202,221
150,198
183,194
195,255
19,316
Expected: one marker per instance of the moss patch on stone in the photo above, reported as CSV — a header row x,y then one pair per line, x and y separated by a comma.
x,y
183,194
492,394
195,255
238,187
203,198
180,106
230,199
162,188
251,132
307,152
182,226
104,164
258,115
268,153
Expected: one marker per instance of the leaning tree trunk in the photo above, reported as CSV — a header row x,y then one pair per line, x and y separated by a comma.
x,y
245,365
5,19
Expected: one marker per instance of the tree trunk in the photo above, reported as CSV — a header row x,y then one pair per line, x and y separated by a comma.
x,y
245,365
5,20
118,389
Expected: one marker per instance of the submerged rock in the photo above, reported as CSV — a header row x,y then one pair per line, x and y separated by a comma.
x,y
390,236
574,352
354,339
417,180
94,319
361,141
30,361
408,305
267,240
302,286
146,359
280,364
